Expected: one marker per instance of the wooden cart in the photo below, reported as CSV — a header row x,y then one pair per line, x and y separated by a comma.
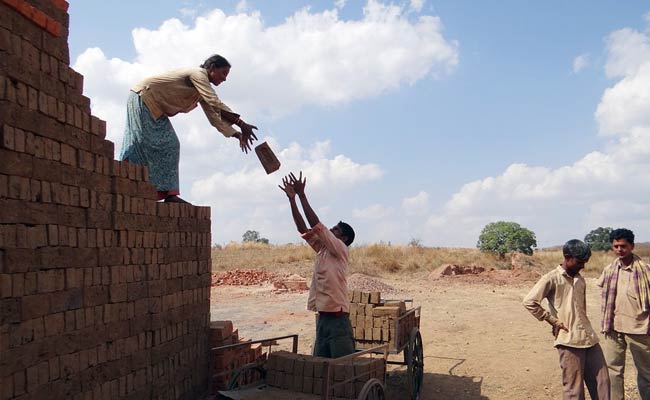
x,y
252,380
406,339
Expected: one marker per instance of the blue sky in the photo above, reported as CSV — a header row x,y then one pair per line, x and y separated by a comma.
x,y
412,120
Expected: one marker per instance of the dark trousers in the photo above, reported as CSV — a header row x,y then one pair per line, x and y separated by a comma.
x,y
334,336
583,365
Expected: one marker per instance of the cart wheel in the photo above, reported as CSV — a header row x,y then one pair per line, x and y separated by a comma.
x,y
372,390
414,359
248,374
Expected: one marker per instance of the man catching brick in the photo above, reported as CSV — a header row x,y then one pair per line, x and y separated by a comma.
x,y
328,293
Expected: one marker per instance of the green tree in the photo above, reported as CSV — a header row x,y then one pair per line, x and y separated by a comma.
x,y
503,237
598,239
254,236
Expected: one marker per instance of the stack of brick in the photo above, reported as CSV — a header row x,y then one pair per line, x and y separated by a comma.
x,y
306,374
104,293
375,322
226,362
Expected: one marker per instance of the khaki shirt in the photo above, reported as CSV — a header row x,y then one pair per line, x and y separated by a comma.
x,y
180,91
329,286
629,317
567,302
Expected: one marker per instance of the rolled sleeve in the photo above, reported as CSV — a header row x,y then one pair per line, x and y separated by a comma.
x,y
312,240
210,103
333,244
532,301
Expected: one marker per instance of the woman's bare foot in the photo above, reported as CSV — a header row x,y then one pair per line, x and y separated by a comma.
x,y
175,199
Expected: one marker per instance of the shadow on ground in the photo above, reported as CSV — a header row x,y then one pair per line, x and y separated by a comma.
x,y
435,386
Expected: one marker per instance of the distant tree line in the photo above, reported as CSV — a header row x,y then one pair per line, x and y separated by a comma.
x,y
503,237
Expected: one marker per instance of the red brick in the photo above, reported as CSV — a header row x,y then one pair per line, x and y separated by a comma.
x,y
5,285
43,373
30,283
32,378
19,188
6,387
53,235
19,383
21,94
8,137
32,98
35,306
35,194
18,284
54,368
54,324
3,185
69,364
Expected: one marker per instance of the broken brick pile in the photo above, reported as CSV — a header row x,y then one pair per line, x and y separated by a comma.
x,y
104,293
293,283
226,362
306,374
241,277
375,322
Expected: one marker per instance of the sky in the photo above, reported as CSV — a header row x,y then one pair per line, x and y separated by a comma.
x,y
412,120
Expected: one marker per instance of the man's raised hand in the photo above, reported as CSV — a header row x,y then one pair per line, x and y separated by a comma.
x,y
298,183
287,188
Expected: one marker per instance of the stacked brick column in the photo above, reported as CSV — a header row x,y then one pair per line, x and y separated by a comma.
x,y
104,293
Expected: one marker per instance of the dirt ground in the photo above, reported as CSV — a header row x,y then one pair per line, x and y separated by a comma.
x,y
479,342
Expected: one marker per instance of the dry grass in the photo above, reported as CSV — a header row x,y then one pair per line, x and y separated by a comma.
x,y
383,259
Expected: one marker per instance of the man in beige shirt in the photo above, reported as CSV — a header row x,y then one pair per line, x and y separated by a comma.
x,y
626,314
581,358
328,294
149,137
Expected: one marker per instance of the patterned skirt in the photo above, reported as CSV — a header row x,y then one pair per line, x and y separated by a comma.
x,y
152,143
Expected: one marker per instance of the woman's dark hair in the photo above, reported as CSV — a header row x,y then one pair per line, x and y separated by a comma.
x,y
216,61
622,233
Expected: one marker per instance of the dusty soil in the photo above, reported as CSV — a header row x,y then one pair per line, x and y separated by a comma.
x,y
479,342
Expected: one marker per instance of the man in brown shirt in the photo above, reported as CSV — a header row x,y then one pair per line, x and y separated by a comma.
x,y
328,294
581,358
626,314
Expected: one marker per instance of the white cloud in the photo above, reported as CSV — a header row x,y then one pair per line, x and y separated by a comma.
x,y
416,5
416,205
339,4
310,58
242,7
373,212
603,188
580,62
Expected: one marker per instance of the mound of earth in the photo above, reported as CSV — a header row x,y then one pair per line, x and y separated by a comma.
x,y
481,275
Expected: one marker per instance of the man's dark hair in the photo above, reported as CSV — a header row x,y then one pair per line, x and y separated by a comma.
x,y
347,231
622,233
577,249
216,61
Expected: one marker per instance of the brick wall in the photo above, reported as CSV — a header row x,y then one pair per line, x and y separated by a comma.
x,y
104,293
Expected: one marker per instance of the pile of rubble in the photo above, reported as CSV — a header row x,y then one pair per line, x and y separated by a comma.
x,y
242,277
293,283
365,283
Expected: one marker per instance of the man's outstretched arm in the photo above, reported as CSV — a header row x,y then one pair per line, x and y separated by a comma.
x,y
287,188
299,188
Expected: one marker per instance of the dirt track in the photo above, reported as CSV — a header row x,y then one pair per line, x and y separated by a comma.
x,y
479,341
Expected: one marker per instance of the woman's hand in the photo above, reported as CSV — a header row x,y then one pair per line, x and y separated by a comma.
x,y
247,136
